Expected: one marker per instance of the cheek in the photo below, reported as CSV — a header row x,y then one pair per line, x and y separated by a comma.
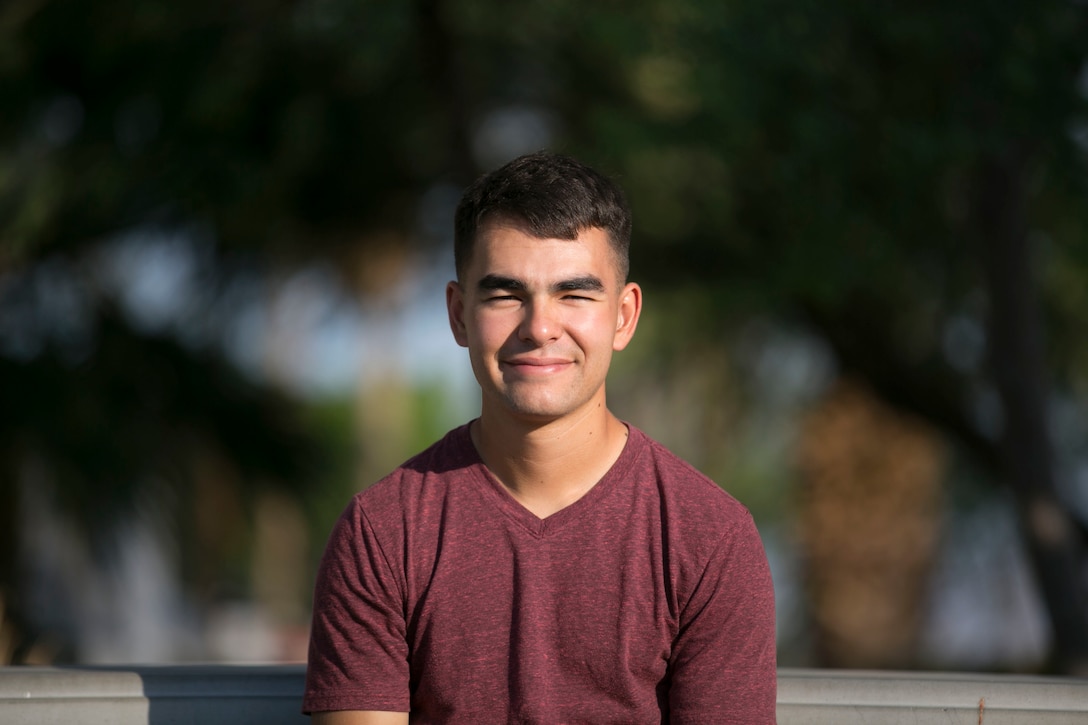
x,y
491,331
598,331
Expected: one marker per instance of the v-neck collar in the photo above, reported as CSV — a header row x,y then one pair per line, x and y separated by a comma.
x,y
526,519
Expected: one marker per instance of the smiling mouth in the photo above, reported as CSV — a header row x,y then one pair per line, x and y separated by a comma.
x,y
543,366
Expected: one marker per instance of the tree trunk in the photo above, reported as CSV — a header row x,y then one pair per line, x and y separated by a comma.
x,y
868,512
1019,368
443,75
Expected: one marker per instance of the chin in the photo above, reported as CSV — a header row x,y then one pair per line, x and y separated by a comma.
x,y
535,410
537,414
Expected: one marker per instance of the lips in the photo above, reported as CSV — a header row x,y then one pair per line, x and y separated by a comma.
x,y
536,365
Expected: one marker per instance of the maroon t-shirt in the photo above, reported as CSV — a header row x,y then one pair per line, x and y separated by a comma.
x,y
648,600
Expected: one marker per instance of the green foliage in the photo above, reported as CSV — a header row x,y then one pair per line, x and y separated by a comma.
x,y
272,121
824,165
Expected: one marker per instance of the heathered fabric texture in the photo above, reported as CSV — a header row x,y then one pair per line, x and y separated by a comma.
x,y
648,600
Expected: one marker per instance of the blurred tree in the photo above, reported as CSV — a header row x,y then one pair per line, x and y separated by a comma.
x,y
133,119
906,182
255,136
868,506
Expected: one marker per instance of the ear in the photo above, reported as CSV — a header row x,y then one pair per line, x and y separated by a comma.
x,y
627,317
455,306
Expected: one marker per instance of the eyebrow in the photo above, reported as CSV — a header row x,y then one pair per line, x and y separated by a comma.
x,y
585,283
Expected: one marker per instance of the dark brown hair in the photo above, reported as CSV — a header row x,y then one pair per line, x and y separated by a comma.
x,y
553,196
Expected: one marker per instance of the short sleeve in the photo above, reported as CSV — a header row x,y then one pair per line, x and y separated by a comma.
x,y
358,657
723,663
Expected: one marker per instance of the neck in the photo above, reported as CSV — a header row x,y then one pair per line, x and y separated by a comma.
x,y
548,466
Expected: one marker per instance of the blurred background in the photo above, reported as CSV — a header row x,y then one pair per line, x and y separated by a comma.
x,y
861,229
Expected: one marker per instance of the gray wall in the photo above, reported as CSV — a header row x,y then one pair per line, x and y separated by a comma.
x,y
270,695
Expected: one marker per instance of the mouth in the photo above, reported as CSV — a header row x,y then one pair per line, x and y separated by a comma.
x,y
536,366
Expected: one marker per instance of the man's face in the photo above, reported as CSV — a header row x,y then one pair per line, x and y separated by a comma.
x,y
541,319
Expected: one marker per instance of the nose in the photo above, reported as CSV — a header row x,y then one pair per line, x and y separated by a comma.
x,y
539,325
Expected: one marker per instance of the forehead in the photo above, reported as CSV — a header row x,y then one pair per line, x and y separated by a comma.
x,y
507,248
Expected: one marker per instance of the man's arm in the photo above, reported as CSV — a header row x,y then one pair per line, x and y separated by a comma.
x,y
358,658
723,662
360,717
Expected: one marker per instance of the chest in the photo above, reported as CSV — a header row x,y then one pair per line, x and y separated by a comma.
x,y
584,612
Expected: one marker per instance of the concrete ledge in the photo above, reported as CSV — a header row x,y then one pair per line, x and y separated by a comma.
x,y
152,695
270,695
830,697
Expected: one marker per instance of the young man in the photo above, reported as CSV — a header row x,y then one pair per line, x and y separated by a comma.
x,y
545,563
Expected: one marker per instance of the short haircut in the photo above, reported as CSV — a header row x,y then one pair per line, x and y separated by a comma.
x,y
553,197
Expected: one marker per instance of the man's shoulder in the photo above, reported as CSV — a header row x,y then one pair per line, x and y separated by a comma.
x,y
446,460
691,492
